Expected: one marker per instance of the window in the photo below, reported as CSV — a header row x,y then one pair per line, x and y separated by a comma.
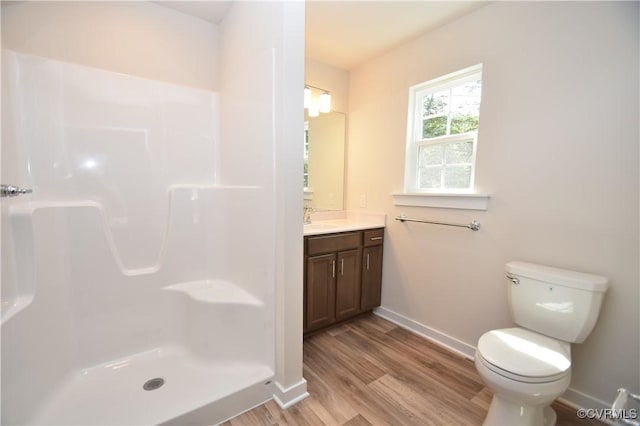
x,y
444,116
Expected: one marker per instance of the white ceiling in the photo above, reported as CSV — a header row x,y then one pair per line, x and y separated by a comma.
x,y
209,10
345,34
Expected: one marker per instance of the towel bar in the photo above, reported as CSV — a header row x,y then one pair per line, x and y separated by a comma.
x,y
474,225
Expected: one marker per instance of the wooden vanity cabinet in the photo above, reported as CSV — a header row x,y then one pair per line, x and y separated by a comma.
x,y
371,269
340,274
348,283
320,292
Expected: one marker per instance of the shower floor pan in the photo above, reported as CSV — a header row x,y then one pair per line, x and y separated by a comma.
x,y
192,392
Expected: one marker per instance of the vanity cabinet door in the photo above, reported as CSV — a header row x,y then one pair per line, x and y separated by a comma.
x,y
348,284
371,277
320,291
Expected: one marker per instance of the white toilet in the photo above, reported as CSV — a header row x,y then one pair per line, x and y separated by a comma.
x,y
527,367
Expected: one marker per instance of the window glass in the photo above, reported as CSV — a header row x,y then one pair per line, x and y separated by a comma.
x,y
443,130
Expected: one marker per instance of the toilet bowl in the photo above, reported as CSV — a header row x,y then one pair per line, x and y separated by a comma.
x,y
526,372
528,367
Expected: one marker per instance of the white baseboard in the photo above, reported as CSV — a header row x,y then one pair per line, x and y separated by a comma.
x,y
576,399
290,396
571,397
435,336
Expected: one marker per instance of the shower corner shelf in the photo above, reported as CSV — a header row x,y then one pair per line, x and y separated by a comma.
x,y
214,291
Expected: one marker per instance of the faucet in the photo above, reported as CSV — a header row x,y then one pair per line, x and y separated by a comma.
x,y
306,217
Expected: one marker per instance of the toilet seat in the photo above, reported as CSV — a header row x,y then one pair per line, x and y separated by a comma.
x,y
524,356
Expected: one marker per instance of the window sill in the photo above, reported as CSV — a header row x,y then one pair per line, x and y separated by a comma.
x,y
443,201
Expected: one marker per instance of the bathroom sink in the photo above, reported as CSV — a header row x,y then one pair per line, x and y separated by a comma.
x,y
329,226
319,226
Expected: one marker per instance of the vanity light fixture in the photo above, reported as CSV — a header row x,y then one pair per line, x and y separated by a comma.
x,y
318,105
307,97
325,102
313,111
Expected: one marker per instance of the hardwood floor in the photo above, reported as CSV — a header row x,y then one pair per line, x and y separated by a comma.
x,y
371,372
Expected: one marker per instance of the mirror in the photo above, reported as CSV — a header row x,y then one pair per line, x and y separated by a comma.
x,y
324,161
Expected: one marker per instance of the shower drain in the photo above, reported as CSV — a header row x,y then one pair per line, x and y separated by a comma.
x,y
153,384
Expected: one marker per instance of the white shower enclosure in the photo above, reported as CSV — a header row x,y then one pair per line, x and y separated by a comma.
x,y
138,286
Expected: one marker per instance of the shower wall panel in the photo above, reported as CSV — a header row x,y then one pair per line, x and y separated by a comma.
x,y
88,134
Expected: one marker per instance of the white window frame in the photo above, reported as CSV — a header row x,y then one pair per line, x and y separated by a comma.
x,y
442,197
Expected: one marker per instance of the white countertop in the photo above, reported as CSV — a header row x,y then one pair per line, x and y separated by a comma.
x,y
342,221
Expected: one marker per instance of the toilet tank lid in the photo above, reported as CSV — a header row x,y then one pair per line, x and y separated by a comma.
x,y
558,276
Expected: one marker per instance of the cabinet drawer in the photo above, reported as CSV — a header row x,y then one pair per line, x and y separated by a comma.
x,y
373,237
329,243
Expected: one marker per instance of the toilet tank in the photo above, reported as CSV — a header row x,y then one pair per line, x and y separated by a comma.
x,y
555,302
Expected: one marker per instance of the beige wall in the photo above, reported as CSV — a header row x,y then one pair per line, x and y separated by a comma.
x,y
268,154
262,76
329,78
558,153
137,38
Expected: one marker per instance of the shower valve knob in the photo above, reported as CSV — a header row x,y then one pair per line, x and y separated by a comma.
x,y
13,191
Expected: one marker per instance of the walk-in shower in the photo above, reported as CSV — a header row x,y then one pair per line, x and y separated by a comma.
x,y
136,287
